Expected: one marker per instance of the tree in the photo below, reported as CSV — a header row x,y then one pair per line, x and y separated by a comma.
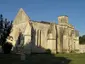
x,y
1,28
82,39
5,27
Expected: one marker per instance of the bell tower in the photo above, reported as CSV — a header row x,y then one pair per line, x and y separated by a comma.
x,y
62,19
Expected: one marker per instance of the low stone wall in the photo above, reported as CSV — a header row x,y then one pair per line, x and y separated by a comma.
x,y
82,48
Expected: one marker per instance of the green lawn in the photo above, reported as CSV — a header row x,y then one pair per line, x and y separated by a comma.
x,y
75,58
43,59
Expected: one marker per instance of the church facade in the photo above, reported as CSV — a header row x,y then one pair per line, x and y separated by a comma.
x,y
37,37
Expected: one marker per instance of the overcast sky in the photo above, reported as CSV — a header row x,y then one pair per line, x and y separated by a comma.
x,y
47,10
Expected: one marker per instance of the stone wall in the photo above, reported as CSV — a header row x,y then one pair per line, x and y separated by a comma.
x,y
39,36
82,48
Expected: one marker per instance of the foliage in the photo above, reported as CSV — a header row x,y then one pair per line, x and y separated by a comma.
x,y
82,39
5,27
48,51
7,48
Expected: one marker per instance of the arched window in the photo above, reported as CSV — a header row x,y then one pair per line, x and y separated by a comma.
x,y
49,34
20,39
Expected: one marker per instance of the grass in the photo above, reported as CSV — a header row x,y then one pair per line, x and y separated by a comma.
x,y
43,59
75,58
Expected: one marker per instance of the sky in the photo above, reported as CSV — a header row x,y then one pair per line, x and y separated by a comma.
x,y
47,10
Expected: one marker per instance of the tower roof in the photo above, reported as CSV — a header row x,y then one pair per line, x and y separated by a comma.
x,y
21,17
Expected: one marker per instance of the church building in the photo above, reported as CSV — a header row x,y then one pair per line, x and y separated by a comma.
x,y
39,36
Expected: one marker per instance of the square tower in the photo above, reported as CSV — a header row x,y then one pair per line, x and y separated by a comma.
x,y
62,19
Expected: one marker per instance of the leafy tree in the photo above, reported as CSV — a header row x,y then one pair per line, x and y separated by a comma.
x,y
82,39
5,27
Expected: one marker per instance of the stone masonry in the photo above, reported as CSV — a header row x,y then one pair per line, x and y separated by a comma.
x,y
37,37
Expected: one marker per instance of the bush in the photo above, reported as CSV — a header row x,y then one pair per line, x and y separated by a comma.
x,y
7,48
48,51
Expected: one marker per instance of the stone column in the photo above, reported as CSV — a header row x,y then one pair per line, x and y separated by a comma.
x,y
58,40
65,43
51,43
39,37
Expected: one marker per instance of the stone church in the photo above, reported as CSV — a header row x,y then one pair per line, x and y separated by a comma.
x,y
39,36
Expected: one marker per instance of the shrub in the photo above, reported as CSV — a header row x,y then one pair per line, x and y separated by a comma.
x,y
7,47
48,51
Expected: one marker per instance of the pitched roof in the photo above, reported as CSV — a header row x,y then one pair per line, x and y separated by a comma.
x,y
21,17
